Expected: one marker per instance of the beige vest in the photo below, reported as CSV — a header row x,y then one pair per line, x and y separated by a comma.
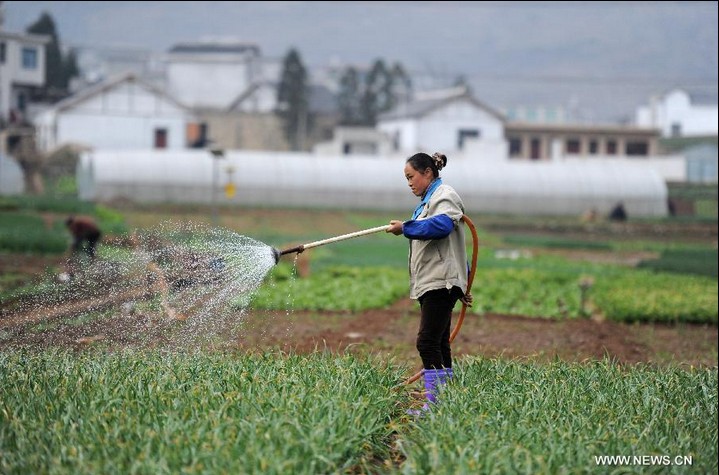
x,y
439,263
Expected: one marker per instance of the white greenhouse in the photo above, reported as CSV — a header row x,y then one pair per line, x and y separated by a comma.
x,y
358,182
12,181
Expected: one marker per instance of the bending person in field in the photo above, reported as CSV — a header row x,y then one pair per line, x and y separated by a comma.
x,y
437,264
85,236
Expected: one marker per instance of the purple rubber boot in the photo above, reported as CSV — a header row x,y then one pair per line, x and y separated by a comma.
x,y
433,378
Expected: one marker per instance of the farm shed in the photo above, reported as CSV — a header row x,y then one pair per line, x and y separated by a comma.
x,y
362,182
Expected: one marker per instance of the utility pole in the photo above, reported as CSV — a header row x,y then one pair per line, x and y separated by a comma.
x,y
217,155
302,127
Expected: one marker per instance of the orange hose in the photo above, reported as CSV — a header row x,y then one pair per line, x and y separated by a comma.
x,y
470,279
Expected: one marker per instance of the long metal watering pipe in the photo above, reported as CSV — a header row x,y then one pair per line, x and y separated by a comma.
x,y
470,277
302,247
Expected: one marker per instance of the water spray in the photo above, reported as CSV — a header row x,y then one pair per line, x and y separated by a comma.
x,y
301,248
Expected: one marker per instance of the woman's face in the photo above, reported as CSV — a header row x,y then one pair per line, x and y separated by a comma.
x,y
418,181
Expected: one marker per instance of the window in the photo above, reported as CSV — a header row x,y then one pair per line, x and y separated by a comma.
x,y
464,134
2,53
29,58
160,138
574,146
203,135
637,147
535,150
515,146
196,135
21,102
593,147
676,129
359,148
611,147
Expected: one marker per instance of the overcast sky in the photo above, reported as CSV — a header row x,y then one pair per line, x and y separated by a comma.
x,y
584,53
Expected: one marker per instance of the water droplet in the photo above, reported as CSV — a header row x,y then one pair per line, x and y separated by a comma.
x,y
178,283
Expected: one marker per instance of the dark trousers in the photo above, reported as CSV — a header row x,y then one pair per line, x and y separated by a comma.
x,y
435,327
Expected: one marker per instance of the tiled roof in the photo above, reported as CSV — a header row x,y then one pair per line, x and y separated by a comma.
x,y
425,103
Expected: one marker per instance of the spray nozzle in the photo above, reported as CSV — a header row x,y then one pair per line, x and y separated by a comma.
x,y
277,253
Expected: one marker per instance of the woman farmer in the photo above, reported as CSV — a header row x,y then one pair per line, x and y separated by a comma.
x,y
437,264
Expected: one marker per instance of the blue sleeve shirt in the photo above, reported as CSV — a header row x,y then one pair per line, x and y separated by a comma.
x,y
435,227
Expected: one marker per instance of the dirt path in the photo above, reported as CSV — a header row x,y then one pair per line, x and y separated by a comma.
x,y
69,309
392,332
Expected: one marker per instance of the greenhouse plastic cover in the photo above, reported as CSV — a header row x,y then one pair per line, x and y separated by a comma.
x,y
12,181
364,182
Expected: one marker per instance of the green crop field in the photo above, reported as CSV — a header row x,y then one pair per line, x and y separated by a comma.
x,y
680,285
512,417
160,412
109,409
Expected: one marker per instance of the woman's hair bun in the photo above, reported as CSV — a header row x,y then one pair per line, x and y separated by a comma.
x,y
440,160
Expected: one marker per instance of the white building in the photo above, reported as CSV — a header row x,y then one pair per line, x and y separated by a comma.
x,y
536,114
702,163
122,113
679,114
356,141
97,63
212,75
259,98
443,120
22,65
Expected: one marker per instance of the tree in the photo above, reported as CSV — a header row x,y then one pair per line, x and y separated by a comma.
x,y
401,84
361,102
349,97
69,68
22,146
374,96
58,70
460,81
293,100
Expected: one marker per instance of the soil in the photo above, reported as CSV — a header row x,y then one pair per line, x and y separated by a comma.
x,y
392,332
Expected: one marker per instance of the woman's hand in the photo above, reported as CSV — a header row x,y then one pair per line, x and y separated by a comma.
x,y
395,227
467,299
